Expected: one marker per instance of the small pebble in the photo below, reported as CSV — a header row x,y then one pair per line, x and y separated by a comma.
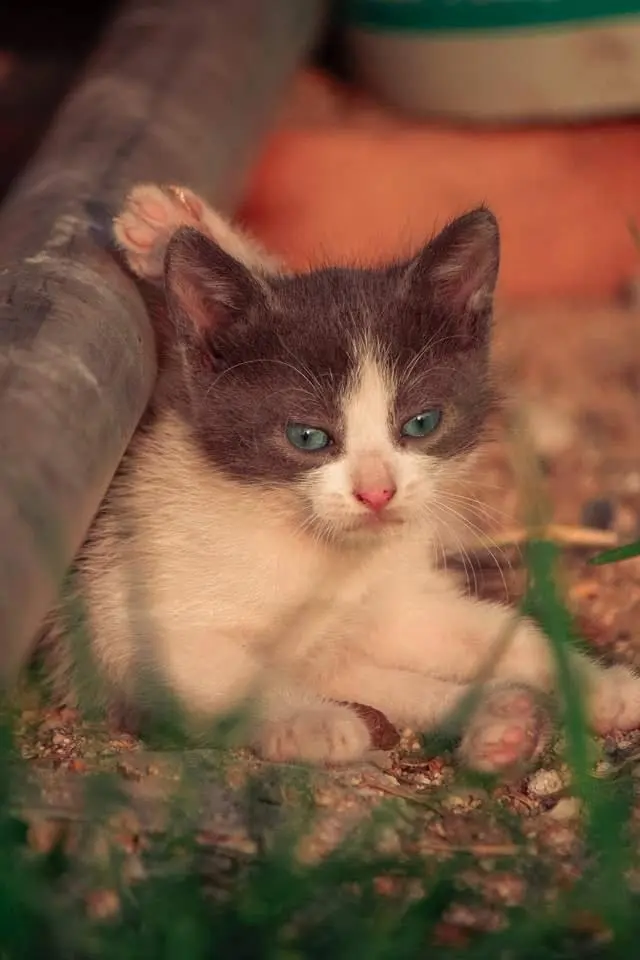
x,y
567,808
450,935
388,842
626,740
545,783
129,772
103,904
585,590
133,870
386,886
508,888
473,917
43,835
631,483
380,759
100,848
604,768
551,429
458,802
598,513
626,522
559,837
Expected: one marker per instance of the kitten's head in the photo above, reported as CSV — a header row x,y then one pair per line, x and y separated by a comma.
x,y
363,391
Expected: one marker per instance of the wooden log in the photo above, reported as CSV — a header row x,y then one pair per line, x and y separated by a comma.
x,y
179,91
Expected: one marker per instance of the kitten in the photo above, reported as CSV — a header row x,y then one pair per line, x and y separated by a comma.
x,y
271,533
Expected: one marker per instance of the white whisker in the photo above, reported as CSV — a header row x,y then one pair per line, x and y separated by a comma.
x,y
486,544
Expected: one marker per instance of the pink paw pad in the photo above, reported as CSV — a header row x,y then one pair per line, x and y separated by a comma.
x,y
147,221
139,235
152,211
507,731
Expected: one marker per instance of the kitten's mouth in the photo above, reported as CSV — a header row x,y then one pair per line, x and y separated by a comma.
x,y
377,521
367,525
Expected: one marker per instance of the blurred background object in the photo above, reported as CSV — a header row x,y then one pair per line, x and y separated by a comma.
x,y
342,177
178,91
409,112
515,60
423,108
42,48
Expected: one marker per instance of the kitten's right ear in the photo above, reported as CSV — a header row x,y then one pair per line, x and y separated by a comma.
x,y
205,286
456,273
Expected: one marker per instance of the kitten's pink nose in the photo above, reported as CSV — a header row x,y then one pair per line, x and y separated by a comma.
x,y
376,498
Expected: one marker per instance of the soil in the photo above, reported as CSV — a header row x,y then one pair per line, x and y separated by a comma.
x,y
576,373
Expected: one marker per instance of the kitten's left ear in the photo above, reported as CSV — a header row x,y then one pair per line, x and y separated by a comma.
x,y
457,273
206,288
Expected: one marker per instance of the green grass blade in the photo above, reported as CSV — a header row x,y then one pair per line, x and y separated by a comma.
x,y
625,552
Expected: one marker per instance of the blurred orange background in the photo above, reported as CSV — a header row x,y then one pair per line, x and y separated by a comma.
x,y
340,179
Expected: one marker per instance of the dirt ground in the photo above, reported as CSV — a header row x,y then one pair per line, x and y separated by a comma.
x,y
576,371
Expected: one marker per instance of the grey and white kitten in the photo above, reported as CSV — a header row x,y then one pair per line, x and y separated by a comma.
x,y
270,534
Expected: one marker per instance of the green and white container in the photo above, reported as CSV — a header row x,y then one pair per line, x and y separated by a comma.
x,y
498,59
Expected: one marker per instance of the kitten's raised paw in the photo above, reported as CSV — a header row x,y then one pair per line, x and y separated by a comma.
x,y
149,218
328,733
506,732
614,700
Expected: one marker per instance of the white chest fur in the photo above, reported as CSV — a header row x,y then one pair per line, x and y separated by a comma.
x,y
211,569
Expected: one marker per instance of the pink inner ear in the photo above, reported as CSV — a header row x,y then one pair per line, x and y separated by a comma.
x,y
188,294
466,281
464,262
205,286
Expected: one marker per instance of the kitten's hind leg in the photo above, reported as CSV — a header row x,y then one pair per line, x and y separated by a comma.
x,y
467,636
612,694
512,724
507,731
151,214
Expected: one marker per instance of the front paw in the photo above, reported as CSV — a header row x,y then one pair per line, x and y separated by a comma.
x,y
149,218
327,733
508,730
614,699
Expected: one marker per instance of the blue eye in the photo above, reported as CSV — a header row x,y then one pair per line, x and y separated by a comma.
x,y
307,438
422,425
